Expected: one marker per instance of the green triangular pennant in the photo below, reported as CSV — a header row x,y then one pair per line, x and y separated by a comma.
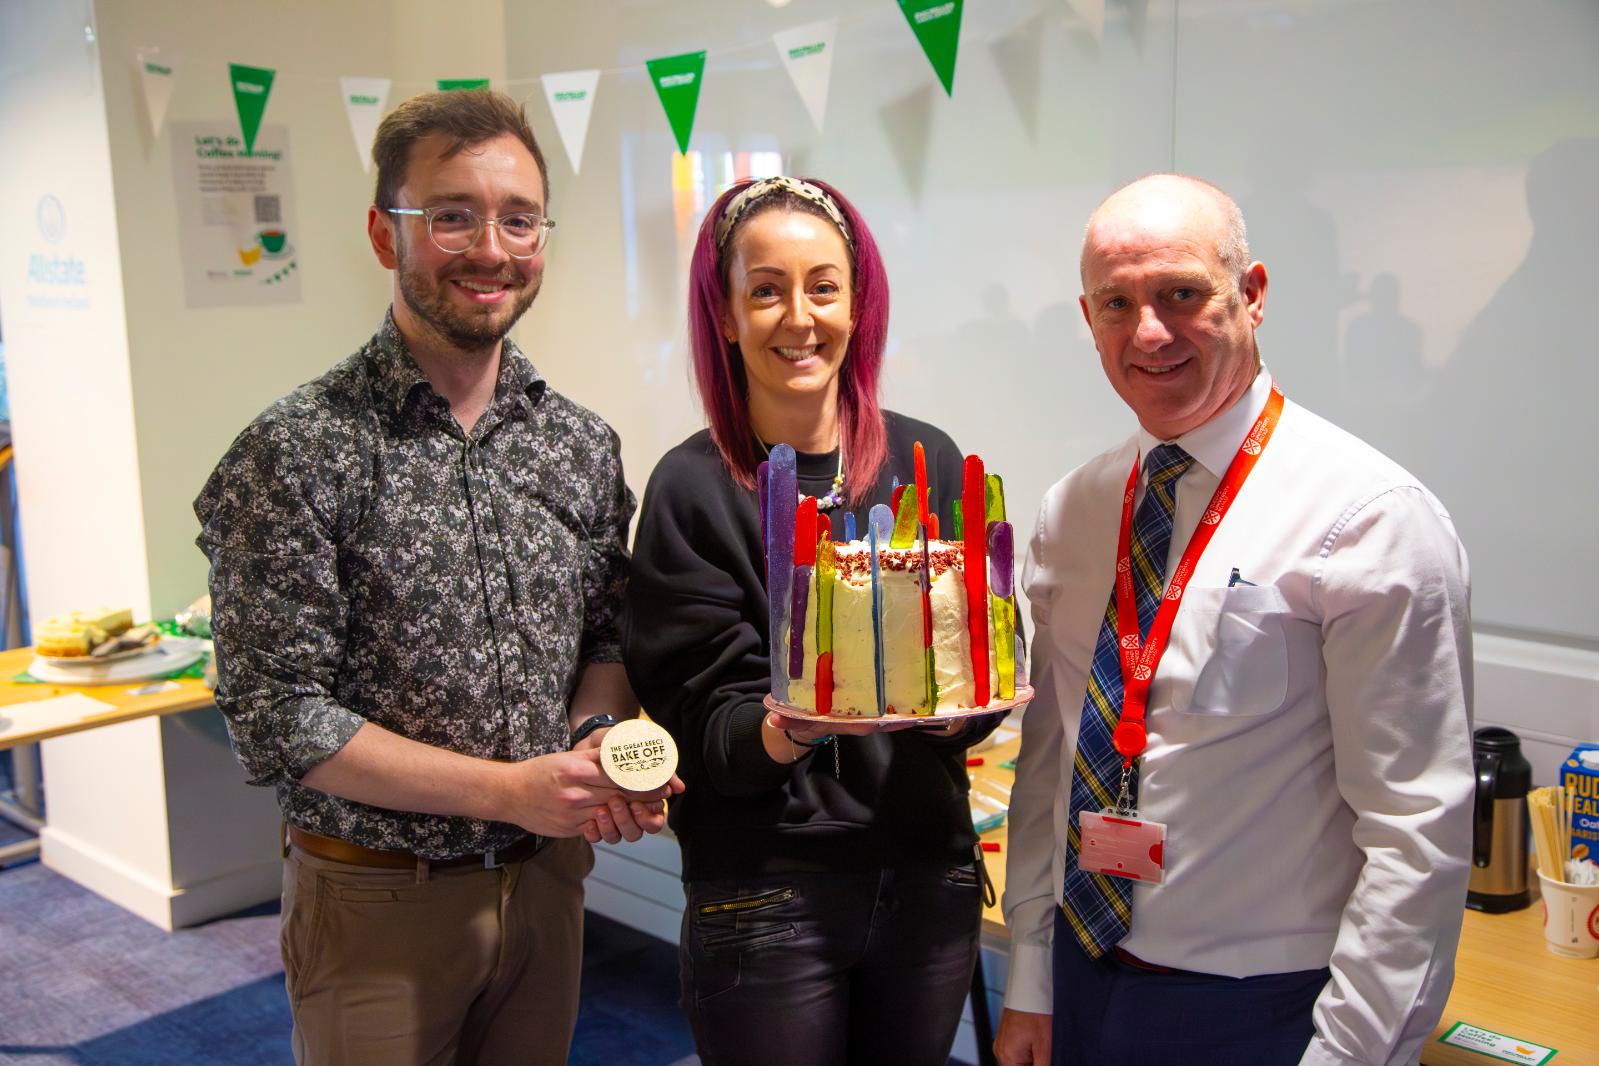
x,y
937,24
452,84
677,80
251,87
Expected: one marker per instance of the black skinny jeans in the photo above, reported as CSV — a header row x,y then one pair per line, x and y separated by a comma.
x,y
830,969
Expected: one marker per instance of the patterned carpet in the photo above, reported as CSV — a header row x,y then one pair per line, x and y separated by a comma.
x,y
84,982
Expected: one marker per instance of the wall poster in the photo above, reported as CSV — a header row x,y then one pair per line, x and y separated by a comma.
x,y
236,228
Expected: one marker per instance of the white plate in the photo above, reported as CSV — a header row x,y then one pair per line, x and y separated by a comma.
x,y
1024,694
169,656
90,660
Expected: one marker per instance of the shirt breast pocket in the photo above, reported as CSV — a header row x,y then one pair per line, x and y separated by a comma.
x,y
1236,640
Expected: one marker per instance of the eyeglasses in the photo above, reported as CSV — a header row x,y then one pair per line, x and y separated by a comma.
x,y
457,229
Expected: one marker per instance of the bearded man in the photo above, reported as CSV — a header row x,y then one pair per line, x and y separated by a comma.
x,y
417,565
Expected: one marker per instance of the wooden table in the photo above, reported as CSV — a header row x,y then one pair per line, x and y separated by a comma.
x,y
189,694
148,806
1505,979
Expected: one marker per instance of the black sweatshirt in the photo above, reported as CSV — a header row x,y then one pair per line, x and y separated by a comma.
x,y
695,647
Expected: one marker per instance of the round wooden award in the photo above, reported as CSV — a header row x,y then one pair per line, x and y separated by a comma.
x,y
638,755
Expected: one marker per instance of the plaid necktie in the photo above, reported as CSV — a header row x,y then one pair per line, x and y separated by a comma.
x,y
1099,909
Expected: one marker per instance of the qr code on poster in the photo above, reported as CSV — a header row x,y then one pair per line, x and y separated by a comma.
x,y
268,209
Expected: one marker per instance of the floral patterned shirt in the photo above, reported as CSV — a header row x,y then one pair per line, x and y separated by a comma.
x,y
372,562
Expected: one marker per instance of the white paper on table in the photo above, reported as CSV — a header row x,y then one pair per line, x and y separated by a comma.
x,y
1003,735
50,713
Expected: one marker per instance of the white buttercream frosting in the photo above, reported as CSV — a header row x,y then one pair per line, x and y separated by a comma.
x,y
854,671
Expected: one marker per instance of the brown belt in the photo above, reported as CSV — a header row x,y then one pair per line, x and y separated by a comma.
x,y
1123,955
335,850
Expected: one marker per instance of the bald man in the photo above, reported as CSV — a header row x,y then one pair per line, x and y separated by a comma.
x,y
1240,827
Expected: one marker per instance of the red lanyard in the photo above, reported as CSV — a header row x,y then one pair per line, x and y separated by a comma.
x,y
1140,658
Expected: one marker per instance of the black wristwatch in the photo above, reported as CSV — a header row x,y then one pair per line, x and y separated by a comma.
x,y
599,721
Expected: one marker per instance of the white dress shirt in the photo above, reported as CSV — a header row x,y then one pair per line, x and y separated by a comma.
x,y
1309,734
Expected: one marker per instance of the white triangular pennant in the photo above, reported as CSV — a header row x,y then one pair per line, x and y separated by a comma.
x,y
156,75
571,96
1092,14
364,101
807,52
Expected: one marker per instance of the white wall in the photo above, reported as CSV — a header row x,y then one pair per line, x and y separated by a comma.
x,y
122,409
78,479
1422,177
976,200
1417,178
199,376
123,398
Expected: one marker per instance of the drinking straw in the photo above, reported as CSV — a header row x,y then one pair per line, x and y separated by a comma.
x,y
1546,810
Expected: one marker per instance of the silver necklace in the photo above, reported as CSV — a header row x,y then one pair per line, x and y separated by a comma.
x,y
835,495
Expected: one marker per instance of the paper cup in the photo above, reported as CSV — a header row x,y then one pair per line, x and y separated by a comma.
x,y
1570,918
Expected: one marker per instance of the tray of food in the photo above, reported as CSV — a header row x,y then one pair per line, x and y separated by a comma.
x,y
103,646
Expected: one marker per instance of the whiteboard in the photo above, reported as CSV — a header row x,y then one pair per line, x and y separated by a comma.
x,y
1419,179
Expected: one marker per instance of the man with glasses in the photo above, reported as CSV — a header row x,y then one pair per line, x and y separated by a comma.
x,y
417,563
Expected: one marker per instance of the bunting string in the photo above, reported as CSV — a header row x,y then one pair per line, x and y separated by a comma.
x,y
805,52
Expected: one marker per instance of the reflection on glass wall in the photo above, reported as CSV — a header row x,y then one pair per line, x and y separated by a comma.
x,y
698,179
1417,178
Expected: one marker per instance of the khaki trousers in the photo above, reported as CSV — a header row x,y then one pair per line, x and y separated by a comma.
x,y
469,966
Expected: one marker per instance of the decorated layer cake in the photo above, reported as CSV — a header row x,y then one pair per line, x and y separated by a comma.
x,y
898,622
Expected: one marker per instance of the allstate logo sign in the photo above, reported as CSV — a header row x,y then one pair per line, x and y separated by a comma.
x,y
52,219
56,279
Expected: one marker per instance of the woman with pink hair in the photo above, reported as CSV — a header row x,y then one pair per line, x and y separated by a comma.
x,y
831,870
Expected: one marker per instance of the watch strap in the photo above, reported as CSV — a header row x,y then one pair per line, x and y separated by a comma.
x,y
589,725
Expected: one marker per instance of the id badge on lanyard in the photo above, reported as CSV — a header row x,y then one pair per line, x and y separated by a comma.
x,y
1115,841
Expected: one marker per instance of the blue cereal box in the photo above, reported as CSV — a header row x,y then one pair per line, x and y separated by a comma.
x,y
1579,776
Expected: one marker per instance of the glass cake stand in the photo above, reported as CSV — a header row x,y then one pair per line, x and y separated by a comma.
x,y
1024,694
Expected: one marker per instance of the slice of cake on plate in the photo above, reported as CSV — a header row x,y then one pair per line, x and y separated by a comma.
x,y
76,633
